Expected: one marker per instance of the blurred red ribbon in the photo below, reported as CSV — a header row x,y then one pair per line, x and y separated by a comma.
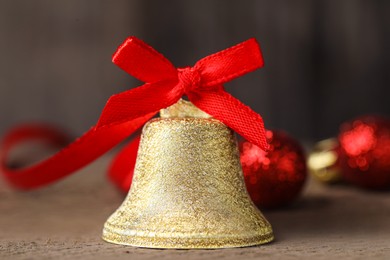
x,y
126,112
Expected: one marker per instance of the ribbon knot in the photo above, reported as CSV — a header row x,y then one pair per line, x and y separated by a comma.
x,y
126,112
189,78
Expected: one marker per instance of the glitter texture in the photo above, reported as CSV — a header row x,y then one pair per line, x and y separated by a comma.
x,y
188,191
365,152
274,178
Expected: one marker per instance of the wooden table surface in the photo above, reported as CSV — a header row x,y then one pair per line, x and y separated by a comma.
x,y
64,221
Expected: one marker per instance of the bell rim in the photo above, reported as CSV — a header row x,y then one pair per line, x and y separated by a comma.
x,y
188,242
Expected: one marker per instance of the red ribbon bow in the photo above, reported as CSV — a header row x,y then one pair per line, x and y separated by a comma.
x,y
124,113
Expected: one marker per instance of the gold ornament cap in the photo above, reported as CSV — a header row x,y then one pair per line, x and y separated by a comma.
x,y
323,161
188,189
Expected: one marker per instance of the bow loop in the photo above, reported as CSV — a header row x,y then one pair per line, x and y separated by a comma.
x,y
230,63
143,62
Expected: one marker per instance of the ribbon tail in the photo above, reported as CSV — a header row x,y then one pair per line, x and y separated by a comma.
x,y
230,111
41,132
84,150
123,115
122,167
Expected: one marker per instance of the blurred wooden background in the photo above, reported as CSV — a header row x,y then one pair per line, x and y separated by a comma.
x,y
326,61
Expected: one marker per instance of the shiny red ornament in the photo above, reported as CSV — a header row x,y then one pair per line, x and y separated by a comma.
x,y
275,178
364,154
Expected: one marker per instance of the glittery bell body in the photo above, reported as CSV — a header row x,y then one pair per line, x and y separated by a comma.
x,y
188,189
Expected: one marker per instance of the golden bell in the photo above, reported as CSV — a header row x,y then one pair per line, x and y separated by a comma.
x,y
188,189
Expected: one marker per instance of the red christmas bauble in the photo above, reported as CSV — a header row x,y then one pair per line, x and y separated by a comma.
x,y
274,178
364,155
